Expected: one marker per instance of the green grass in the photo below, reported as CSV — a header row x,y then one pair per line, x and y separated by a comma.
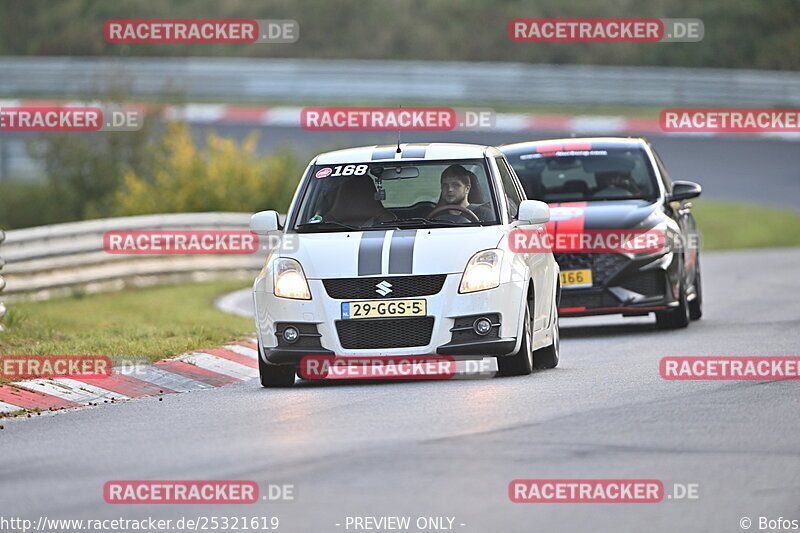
x,y
731,225
142,325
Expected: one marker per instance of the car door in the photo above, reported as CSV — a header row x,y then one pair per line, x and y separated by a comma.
x,y
536,262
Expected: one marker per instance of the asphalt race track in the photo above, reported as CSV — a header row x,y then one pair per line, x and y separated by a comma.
x,y
450,448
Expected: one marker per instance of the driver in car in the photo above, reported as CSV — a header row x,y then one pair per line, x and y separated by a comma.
x,y
617,182
453,205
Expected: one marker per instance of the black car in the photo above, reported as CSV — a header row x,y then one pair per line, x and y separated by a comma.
x,y
621,184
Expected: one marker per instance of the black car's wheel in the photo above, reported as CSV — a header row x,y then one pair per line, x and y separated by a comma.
x,y
547,357
521,363
275,375
675,318
696,305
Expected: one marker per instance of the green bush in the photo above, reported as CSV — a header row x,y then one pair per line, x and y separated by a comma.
x,y
25,205
134,173
84,171
219,176
81,174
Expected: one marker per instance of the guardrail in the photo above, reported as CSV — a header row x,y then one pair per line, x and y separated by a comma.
x,y
394,82
57,260
2,281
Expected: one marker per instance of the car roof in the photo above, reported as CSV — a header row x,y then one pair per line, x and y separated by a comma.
x,y
596,143
408,151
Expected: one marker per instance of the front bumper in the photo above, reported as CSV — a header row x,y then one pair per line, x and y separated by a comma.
x,y
447,311
621,284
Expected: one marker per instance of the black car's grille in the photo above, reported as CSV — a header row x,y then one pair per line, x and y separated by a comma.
x,y
604,266
384,333
400,286
651,283
590,300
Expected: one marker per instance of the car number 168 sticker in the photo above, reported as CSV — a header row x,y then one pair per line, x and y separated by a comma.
x,y
342,170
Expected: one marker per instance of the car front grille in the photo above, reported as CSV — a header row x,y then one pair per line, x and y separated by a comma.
x,y
391,287
604,266
590,300
651,283
373,333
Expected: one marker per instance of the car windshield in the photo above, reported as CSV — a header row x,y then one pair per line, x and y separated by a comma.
x,y
414,194
584,174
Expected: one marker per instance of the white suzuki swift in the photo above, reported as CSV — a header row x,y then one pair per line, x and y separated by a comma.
x,y
400,251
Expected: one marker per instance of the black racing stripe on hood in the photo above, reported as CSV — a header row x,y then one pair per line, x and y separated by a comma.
x,y
401,251
370,252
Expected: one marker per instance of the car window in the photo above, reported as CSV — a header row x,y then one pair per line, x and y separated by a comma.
x,y
579,175
374,195
407,192
512,194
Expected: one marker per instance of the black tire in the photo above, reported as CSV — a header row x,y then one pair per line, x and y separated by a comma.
x,y
548,356
521,363
274,375
696,305
675,318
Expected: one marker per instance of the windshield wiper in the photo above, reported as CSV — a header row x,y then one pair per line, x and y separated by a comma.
x,y
423,220
328,224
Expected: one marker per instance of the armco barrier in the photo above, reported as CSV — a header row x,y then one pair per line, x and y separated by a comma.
x,y
57,260
394,82
2,280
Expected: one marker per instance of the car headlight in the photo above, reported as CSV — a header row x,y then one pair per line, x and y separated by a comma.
x,y
482,272
647,242
289,281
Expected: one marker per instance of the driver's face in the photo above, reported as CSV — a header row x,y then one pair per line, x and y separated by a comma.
x,y
611,180
454,191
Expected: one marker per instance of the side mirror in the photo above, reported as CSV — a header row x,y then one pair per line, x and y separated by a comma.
x,y
683,190
533,212
264,222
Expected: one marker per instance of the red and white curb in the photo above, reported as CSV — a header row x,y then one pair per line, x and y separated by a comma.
x,y
288,116
202,369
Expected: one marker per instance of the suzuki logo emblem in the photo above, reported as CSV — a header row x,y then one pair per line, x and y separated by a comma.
x,y
383,288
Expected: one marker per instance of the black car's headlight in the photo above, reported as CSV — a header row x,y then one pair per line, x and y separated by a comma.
x,y
650,242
